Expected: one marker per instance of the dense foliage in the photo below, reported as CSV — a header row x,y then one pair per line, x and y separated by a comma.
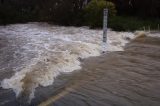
x,y
64,12
142,8
82,12
94,12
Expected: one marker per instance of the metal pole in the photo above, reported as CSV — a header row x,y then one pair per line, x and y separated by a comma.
x,y
105,20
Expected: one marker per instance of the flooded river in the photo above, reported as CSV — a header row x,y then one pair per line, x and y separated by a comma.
x,y
54,66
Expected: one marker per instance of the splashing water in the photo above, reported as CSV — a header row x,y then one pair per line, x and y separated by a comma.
x,y
39,52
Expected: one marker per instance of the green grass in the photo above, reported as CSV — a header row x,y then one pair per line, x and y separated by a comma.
x,y
123,23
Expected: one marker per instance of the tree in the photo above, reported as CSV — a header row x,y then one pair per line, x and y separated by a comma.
x,y
94,12
142,8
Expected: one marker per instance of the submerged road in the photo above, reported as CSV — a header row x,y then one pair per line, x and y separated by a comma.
x,y
128,78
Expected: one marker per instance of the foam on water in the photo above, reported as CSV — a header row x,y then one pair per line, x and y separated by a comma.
x,y
47,51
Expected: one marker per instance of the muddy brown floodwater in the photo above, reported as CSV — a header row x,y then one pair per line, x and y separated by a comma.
x,y
127,78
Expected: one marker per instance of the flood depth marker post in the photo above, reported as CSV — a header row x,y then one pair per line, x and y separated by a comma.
x,y
105,21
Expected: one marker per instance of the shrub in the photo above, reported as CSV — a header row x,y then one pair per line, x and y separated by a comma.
x,y
94,12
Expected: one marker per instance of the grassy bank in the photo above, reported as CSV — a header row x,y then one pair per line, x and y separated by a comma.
x,y
123,23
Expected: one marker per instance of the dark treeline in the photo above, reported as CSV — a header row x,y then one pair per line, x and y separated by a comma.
x,y
142,8
71,12
59,11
